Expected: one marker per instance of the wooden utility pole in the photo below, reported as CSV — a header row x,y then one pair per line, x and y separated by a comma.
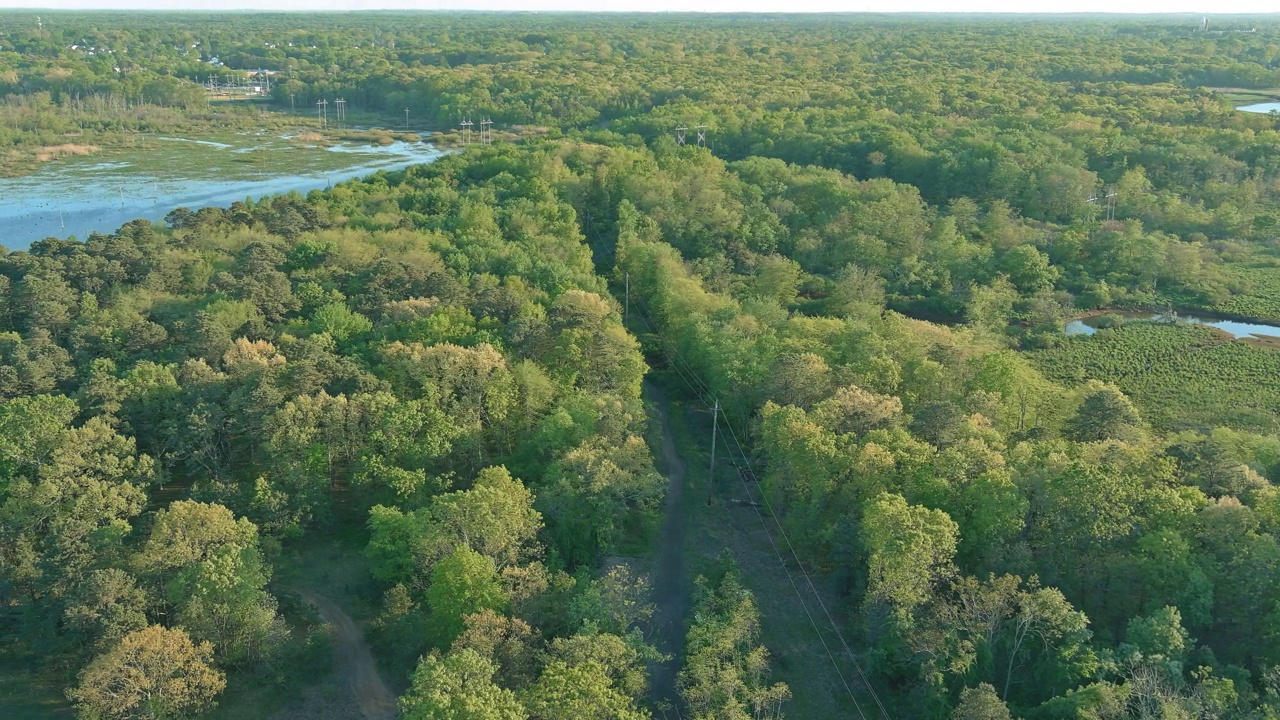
x,y
715,426
626,312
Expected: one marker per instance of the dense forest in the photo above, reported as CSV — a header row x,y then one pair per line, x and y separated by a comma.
x,y
841,247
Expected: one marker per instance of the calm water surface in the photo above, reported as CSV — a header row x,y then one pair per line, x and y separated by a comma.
x,y
1235,328
1261,107
82,195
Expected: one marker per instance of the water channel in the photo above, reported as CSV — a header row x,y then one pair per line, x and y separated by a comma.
x,y
1261,107
77,196
1236,328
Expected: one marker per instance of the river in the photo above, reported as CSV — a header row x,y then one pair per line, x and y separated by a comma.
x,y
1261,107
77,196
1236,328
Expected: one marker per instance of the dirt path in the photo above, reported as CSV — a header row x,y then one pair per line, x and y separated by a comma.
x,y
356,665
670,585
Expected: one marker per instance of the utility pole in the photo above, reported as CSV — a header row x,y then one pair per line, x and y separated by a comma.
x,y
715,426
626,312
406,118
322,110
486,135
1093,200
680,133
1111,204
292,107
466,131
342,110
702,135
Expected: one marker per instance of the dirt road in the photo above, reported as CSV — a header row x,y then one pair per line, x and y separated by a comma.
x,y
355,663
670,586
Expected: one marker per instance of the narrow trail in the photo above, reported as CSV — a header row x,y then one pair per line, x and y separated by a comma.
x,y
355,663
670,584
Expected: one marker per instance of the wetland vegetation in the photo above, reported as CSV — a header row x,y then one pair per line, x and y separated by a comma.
x,y
155,174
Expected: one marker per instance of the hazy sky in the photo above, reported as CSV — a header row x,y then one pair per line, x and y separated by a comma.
x,y
1121,6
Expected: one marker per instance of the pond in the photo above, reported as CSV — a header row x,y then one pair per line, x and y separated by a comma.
x,y
1261,107
1236,328
76,196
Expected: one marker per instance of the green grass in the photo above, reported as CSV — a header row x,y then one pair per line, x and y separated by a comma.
x,y
262,145
728,523
301,686
1181,377
251,156
330,563
1247,96
26,694
1259,281
32,152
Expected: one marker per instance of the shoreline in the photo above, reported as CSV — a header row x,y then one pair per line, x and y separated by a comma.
x,y
1197,312
1266,341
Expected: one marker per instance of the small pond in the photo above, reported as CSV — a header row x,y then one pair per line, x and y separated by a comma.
x,y
1236,328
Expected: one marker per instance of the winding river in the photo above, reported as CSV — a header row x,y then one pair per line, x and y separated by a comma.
x,y
1236,328
77,196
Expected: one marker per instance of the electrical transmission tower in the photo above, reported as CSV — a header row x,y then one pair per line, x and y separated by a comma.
x,y
322,111
466,131
486,134
1109,195
342,110
702,135
681,130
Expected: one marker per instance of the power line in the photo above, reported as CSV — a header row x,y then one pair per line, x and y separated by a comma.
x,y
703,392
681,366
715,425
765,501
808,614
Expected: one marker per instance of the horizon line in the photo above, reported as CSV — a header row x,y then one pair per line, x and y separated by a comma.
x,y
621,11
